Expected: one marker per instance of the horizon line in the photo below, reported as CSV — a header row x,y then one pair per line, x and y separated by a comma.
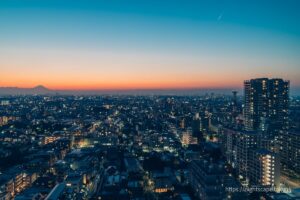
x,y
125,89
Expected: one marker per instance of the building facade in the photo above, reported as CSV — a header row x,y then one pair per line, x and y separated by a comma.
x,y
266,105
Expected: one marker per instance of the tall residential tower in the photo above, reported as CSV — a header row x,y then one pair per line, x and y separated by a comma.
x,y
266,105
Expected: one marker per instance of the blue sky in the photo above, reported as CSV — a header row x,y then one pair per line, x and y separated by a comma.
x,y
148,43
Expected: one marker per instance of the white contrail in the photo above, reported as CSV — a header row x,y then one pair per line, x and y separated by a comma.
x,y
220,16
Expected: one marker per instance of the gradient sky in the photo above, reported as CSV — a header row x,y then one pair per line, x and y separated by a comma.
x,y
120,44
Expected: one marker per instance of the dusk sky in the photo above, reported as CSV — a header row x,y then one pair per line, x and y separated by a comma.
x,y
147,44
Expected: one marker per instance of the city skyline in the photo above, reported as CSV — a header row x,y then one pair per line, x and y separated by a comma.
x,y
152,147
89,45
149,100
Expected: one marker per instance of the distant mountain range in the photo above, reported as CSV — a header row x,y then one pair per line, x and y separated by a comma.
x,y
41,90
38,90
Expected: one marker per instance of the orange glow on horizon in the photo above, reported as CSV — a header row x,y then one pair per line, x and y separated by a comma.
x,y
125,81
142,87
69,69
124,85
121,80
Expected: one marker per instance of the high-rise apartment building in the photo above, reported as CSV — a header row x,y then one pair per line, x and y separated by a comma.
x,y
245,143
290,150
266,108
264,168
229,145
266,105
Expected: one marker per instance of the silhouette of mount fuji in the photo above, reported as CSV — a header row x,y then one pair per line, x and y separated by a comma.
x,y
38,90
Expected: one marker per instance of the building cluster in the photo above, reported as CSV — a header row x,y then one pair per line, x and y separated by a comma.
x,y
111,147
